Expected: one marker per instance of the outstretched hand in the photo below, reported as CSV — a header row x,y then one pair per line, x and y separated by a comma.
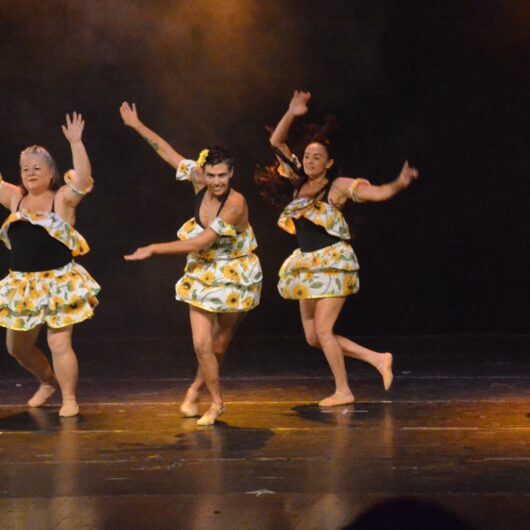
x,y
299,101
129,114
140,254
407,175
73,130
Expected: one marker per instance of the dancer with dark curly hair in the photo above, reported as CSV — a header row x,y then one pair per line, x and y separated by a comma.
x,y
223,276
45,285
324,270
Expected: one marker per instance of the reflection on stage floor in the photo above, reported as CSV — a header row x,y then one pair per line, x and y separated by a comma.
x,y
459,438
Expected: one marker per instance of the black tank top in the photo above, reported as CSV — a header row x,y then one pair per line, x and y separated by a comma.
x,y
198,201
313,237
33,249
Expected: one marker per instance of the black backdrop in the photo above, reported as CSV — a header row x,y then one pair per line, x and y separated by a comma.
x,y
442,83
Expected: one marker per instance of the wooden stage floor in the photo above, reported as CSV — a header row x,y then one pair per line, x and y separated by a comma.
x,y
452,434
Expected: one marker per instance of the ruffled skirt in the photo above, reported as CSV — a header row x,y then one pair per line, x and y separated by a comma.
x,y
325,273
222,285
58,297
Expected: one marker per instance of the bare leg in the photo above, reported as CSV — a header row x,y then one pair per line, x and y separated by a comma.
x,y
225,326
381,361
21,345
318,318
327,311
202,324
66,367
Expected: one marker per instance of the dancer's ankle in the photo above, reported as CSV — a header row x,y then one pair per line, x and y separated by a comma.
x,y
69,407
41,396
385,369
215,410
344,397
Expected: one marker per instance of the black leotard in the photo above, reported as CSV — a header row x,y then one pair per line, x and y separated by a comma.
x,y
313,237
198,201
33,249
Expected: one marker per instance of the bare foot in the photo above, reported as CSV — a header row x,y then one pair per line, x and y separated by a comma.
x,y
190,405
69,408
211,415
338,398
42,395
385,369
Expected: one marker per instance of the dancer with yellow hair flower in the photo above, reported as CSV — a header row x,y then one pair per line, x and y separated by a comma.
x,y
222,278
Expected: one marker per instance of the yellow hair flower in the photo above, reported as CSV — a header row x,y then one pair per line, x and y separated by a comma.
x,y
203,155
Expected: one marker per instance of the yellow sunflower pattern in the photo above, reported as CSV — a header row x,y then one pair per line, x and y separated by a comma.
x,y
328,272
318,212
58,297
184,169
224,278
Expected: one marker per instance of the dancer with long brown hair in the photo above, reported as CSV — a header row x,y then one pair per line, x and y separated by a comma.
x,y
324,270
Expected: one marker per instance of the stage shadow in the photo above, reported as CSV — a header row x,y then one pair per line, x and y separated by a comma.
x,y
219,441
39,420
344,415
407,514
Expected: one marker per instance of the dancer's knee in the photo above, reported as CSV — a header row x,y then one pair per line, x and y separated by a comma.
x,y
17,349
312,339
202,347
14,350
59,345
323,334
220,345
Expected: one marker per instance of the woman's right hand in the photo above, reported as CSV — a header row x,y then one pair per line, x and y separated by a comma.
x,y
129,115
299,101
141,253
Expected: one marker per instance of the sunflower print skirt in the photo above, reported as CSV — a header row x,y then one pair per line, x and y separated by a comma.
x,y
328,272
221,285
58,297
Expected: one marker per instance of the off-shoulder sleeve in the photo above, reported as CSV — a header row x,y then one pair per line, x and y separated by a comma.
x,y
185,169
287,169
353,189
69,180
222,228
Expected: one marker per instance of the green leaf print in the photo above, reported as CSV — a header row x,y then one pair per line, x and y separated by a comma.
x,y
316,285
216,301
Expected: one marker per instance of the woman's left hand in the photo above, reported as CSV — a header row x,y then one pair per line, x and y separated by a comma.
x,y
407,175
73,130
140,254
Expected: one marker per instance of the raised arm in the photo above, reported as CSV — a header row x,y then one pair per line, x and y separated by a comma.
x,y
360,190
297,107
9,194
130,117
80,180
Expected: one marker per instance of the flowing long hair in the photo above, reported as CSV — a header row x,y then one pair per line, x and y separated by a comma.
x,y
278,190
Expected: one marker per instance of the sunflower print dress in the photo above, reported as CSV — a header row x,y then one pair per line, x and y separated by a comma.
x,y
328,272
58,297
226,277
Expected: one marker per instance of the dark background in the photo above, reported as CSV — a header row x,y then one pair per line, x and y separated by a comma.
x,y
443,84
